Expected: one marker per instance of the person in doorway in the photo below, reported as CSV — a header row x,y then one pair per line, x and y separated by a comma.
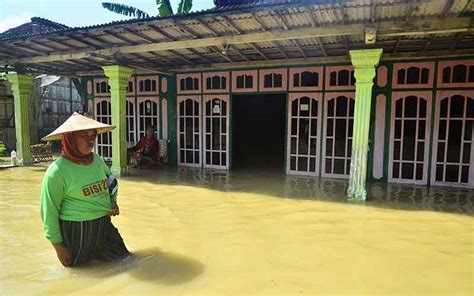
x,y
147,148
78,197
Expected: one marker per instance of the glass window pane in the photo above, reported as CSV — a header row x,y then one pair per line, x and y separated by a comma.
x,y
328,166
312,164
454,141
314,127
314,108
341,106
411,103
293,163
293,145
396,150
457,106
466,155
464,174
409,129
420,154
396,170
407,170
294,126
340,138
312,146
294,108
398,129
444,108
419,171
329,128
421,129
302,164
439,172
440,156
330,111
452,173
468,130
339,166
329,147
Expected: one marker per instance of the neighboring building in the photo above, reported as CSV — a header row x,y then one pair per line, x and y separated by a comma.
x,y
270,83
49,106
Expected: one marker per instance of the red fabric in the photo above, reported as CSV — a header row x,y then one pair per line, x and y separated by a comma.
x,y
70,152
145,145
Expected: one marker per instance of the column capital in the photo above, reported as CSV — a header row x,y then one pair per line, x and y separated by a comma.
x,y
117,71
365,58
20,82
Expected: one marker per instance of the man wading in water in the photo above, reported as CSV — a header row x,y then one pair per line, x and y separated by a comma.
x,y
76,199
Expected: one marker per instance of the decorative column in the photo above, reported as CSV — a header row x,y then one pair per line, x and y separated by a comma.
x,y
118,81
364,62
21,87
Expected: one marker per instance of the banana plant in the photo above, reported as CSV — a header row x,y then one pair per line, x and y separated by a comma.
x,y
163,6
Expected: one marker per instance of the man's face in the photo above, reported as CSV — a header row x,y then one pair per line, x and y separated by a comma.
x,y
85,141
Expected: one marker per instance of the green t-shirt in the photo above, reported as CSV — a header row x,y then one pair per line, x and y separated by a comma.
x,y
73,192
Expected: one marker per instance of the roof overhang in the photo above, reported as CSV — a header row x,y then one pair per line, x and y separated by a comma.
x,y
261,35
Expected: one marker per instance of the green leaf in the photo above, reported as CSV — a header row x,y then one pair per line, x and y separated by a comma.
x,y
125,10
164,8
185,6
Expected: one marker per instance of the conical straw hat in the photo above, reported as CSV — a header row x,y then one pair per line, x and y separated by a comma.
x,y
75,123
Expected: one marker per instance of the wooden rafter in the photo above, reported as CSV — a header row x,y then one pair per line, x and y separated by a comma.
x,y
259,50
312,18
280,49
168,36
447,8
63,43
122,38
386,29
343,16
373,9
85,42
286,27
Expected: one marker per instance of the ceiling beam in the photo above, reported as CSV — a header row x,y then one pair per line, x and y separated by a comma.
x,y
328,60
418,27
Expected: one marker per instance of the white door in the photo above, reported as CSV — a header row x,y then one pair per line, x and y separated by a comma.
x,y
304,111
216,131
337,146
453,149
409,137
148,111
189,130
103,113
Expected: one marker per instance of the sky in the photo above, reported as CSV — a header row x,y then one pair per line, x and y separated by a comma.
x,y
75,13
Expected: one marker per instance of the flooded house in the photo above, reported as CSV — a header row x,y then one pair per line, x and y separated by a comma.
x,y
358,90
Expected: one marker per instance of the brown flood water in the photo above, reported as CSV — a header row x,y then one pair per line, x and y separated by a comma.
x,y
250,233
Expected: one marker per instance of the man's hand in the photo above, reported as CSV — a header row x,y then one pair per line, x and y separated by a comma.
x,y
63,254
115,210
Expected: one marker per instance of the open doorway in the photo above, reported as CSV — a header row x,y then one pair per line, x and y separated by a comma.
x,y
258,131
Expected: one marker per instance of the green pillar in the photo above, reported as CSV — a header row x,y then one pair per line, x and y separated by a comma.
x,y
21,87
364,62
118,81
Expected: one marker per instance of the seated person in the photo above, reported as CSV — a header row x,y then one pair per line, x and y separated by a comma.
x,y
148,147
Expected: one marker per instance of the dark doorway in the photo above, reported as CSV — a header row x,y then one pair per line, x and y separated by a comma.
x,y
258,131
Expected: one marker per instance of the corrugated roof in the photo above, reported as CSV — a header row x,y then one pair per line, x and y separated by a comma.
x,y
37,26
244,18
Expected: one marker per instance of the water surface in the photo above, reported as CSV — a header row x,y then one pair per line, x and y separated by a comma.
x,y
250,233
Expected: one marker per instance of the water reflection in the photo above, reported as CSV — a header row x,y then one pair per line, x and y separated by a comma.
x,y
397,196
